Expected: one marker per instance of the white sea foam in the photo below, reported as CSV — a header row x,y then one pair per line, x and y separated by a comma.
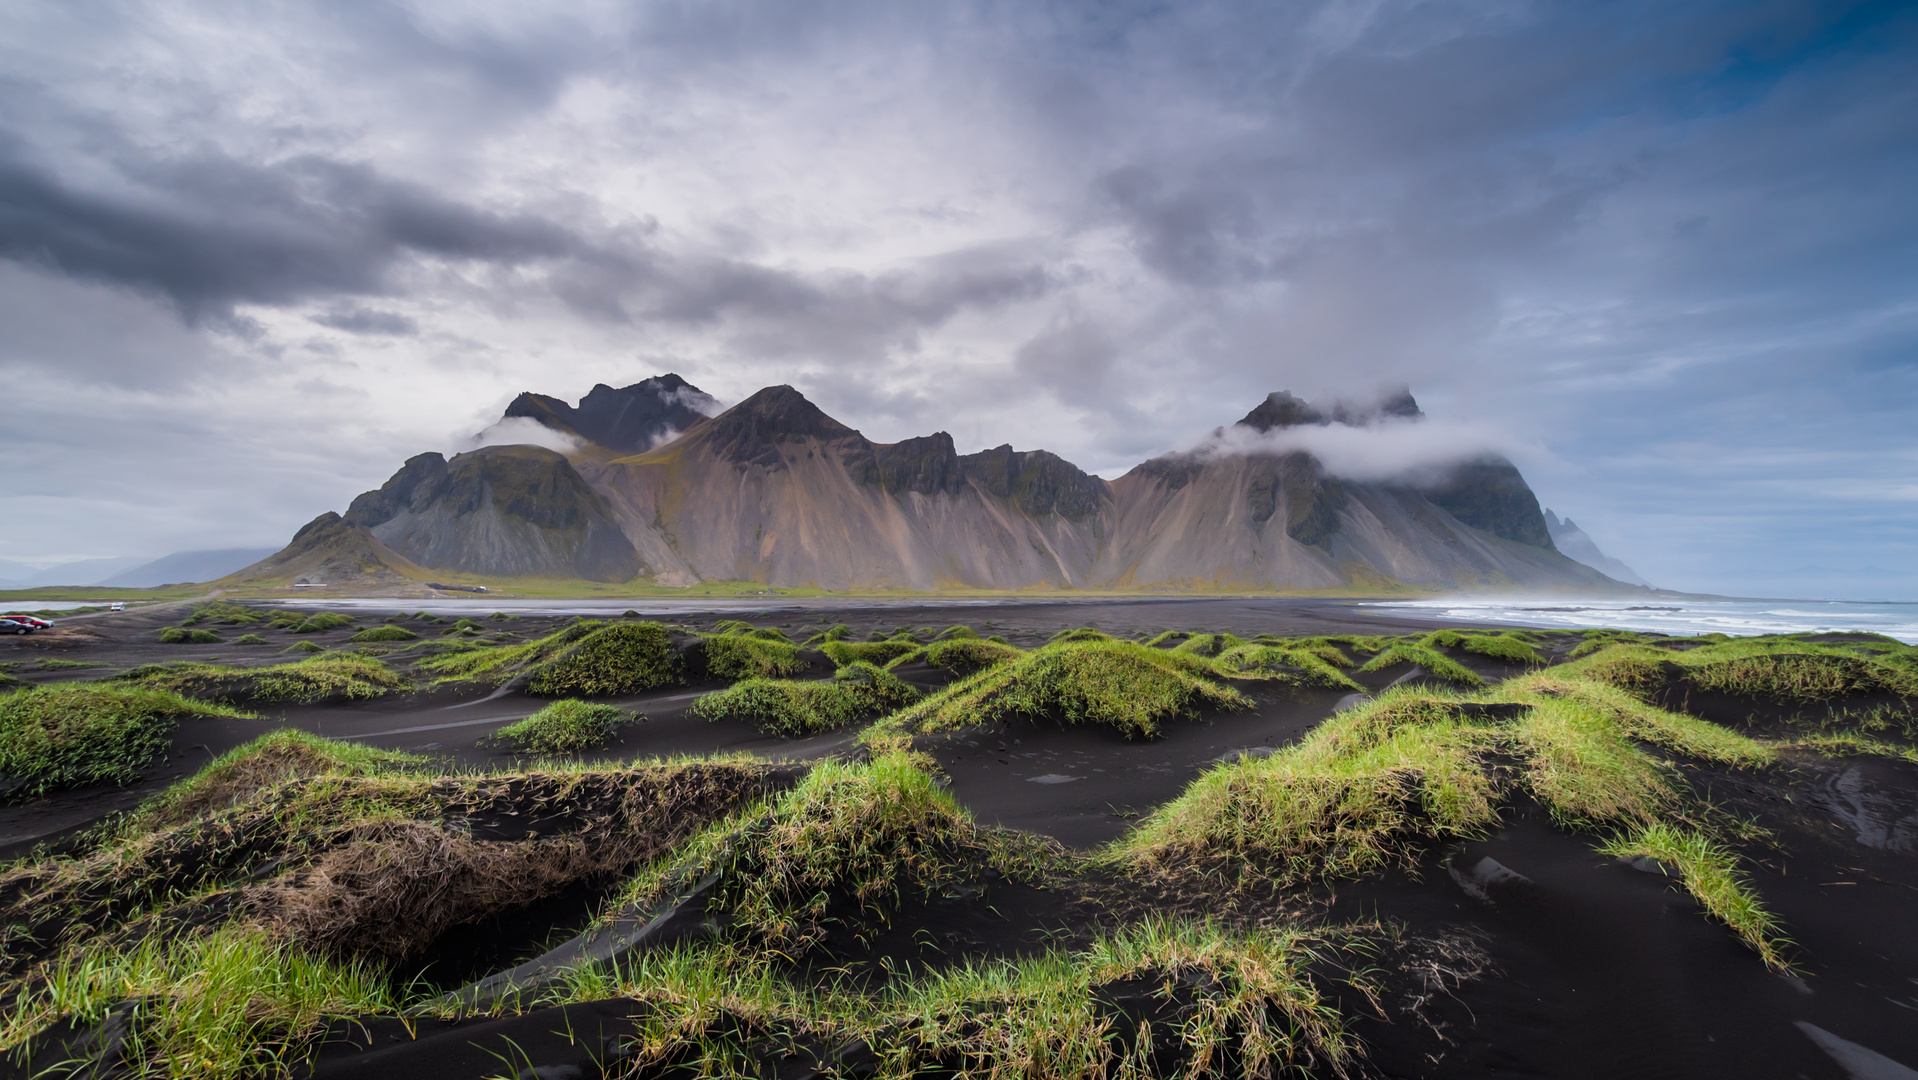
x,y
1681,617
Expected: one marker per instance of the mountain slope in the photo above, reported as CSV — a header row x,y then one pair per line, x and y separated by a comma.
x,y
337,553
505,511
1573,541
774,490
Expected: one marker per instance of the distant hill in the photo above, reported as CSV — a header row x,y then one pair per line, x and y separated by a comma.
x,y
78,573
773,490
187,566
1572,540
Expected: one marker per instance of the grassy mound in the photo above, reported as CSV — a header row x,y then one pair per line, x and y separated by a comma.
x,y
1506,646
871,652
1381,784
962,656
323,678
564,727
751,654
1433,661
1299,665
223,613
384,633
174,635
793,708
1784,670
246,772
496,664
863,835
72,735
318,622
625,658
1104,681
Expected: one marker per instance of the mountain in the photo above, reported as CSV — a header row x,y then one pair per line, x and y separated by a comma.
x,y
331,551
1572,540
187,566
80,573
631,418
1278,520
773,490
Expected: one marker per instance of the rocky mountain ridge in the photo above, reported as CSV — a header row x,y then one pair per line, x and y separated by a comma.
x,y
774,490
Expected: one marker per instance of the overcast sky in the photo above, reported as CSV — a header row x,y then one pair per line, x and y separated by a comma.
x,y
252,255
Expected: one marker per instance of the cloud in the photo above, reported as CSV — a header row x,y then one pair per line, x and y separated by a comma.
x,y
521,431
362,320
1638,248
1411,451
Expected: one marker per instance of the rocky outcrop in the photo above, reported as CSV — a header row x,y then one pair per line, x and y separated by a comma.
x,y
631,418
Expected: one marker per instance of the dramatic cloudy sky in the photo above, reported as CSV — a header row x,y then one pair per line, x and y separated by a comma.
x,y
1665,255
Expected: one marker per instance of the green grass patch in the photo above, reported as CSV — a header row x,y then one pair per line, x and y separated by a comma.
x,y
1298,665
75,734
352,677
245,772
228,1005
1507,646
497,664
1711,875
223,613
624,658
52,663
384,633
174,635
792,708
962,656
570,726
871,652
255,639
1435,663
1122,684
737,655
318,622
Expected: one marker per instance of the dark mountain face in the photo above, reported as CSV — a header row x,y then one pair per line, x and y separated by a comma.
x,y
749,432
506,510
1037,481
632,418
1490,494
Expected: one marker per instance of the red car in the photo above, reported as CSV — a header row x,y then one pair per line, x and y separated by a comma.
x,y
31,620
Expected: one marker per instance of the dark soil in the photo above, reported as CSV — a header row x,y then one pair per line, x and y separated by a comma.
x,y
1085,785
1567,964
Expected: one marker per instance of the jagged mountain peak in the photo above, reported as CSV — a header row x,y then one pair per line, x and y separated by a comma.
x,y
628,418
1284,409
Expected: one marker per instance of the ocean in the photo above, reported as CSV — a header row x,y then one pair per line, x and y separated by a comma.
x,y
1678,617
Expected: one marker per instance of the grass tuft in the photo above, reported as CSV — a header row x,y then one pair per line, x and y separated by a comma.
x,y
1434,662
791,708
1121,684
1710,872
569,726
333,677
384,633
75,734
624,658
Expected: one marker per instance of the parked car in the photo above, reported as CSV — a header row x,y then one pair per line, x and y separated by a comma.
x,y
31,620
8,625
